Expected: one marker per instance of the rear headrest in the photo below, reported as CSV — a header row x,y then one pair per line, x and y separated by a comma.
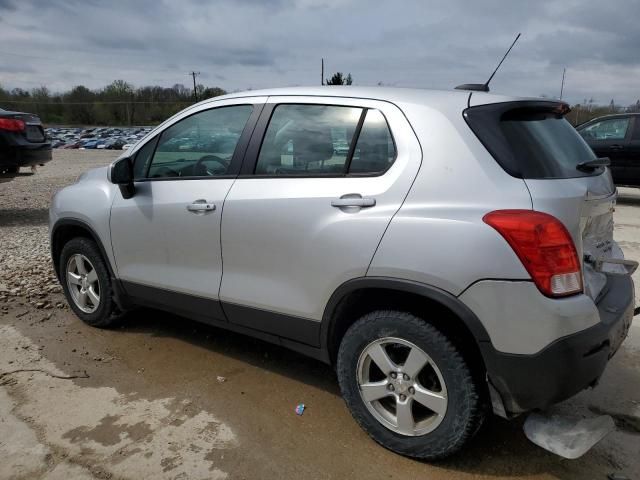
x,y
312,145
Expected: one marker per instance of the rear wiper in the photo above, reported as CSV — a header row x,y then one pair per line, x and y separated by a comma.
x,y
591,165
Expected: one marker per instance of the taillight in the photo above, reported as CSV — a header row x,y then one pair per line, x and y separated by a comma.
x,y
11,125
544,247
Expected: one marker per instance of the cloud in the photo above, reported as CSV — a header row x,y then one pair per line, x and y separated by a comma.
x,y
7,5
261,43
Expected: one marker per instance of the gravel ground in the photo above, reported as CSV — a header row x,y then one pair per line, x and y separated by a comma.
x,y
164,397
26,273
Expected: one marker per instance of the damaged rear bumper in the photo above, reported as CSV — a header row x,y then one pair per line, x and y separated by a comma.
x,y
568,365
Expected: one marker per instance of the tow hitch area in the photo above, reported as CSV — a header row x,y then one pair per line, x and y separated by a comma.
x,y
566,436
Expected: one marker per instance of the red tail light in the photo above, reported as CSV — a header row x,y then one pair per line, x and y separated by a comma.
x,y
11,125
544,247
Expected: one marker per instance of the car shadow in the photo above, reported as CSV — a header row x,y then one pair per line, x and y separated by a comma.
x,y
626,199
500,449
12,217
240,347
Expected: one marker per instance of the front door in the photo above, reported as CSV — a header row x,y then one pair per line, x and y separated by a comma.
x,y
167,236
311,208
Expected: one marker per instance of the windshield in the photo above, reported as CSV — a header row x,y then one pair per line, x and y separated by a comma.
x,y
531,141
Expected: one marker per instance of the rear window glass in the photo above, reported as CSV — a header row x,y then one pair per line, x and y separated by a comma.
x,y
531,142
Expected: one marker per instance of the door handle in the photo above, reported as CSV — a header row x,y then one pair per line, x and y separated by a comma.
x,y
353,200
201,206
616,147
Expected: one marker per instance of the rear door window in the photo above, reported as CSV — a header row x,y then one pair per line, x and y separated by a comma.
x,y
375,150
317,140
308,140
613,129
531,140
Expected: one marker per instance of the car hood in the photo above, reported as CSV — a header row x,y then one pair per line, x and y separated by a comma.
x,y
99,173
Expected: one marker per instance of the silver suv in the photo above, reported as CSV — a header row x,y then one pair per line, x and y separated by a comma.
x,y
450,253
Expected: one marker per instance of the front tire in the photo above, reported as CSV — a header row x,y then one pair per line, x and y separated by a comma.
x,y
86,283
408,386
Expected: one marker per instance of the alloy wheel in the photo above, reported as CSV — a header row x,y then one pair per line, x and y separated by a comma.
x,y
401,386
83,283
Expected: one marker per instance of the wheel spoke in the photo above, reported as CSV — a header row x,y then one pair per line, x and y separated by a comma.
x,y
74,278
92,277
379,355
435,402
82,270
95,299
415,362
404,416
374,390
82,300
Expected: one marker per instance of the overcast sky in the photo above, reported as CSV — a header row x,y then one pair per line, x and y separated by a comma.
x,y
240,44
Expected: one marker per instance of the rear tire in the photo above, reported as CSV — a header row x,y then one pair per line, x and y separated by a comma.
x,y
444,382
87,284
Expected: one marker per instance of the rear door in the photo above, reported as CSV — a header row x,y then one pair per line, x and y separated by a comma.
x,y
610,138
322,179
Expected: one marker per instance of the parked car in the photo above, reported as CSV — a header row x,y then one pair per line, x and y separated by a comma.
x,y
457,259
23,143
112,138
618,138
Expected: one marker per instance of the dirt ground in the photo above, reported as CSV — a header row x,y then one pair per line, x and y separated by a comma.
x,y
164,397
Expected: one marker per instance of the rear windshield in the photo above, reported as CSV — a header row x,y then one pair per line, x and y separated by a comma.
x,y
531,140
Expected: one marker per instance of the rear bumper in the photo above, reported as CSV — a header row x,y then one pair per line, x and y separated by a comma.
x,y
25,155
568,365
17,151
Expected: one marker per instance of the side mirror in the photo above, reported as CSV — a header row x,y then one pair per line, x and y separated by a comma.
x,y
122,175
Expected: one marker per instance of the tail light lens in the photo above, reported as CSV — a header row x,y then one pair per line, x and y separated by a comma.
x,y
11,125
544,247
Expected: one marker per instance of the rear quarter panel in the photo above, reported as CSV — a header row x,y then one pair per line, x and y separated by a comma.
x,y
438,236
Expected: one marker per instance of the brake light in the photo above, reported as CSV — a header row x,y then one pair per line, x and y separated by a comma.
x,y
544,247
11,125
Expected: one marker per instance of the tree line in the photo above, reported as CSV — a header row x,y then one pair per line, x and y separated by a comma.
x,y
119,103
585,111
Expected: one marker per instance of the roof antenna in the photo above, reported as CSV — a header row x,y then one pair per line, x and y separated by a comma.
x,y
484,87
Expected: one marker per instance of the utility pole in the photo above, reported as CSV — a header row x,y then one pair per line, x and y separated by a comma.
x,y
195,92
322,73
564,70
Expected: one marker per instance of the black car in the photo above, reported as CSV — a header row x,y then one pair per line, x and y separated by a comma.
x,y
23,142
617,137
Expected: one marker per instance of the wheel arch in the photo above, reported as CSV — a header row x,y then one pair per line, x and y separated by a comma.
x,y
359,296
66,229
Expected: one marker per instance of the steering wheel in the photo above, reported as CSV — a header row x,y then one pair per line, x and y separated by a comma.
x,y
221,169
165,172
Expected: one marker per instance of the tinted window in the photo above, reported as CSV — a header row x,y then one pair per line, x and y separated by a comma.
x,y
375,150
530,141
200,145
307,140
614,129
